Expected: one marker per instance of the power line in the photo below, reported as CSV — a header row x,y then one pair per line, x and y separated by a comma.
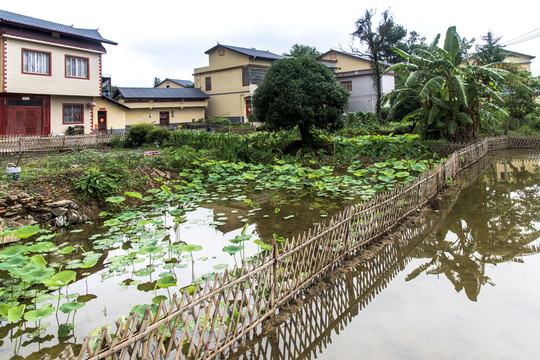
x,y
525,37
514,39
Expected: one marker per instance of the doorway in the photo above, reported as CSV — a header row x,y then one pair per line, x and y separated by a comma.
x,y
164,118
102,122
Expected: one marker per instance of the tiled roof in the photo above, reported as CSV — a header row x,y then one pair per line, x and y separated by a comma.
x,y
180,82
27,21
161,93
252,53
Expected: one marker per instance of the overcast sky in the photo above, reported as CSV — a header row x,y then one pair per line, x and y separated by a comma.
x,y
168,38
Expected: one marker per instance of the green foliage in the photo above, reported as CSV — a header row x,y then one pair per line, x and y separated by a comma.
x,y
300,92
96,183
158,135
219,121
451,95
118,142
362,120
137,134
298,50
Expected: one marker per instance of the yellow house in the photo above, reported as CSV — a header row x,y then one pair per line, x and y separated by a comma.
x,y
230,79
167,107
50,75
355,74
175,83
109,115
523,60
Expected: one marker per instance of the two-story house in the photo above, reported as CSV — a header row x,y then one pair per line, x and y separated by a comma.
x,y
50,75
354,72
230,79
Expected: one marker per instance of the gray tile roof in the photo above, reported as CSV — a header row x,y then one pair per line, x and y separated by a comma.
x,y
161,93
252,53
181,82
27,21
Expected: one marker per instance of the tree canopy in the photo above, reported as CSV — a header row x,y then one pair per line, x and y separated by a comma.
x,y
298,50
300,91
453,95
491,52
379,42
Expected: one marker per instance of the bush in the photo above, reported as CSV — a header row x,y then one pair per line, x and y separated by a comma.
x,y
158,136
362,120
97,184
118,142
136,135
219,121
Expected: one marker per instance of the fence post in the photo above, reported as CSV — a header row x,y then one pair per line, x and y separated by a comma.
x,y
347,240
273,278
20,144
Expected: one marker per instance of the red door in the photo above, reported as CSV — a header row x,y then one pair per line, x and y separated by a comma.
x,y
23,121
163,118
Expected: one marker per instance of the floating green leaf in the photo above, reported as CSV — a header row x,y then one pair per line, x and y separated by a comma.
x,y
65,329
61,278
39,314
26,231
68,307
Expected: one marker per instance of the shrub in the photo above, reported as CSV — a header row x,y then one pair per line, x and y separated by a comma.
x,y
118,142
219,121
158,135
362,120
96,183
136,135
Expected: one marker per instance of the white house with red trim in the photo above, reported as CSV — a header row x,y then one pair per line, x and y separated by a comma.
x,y
50,75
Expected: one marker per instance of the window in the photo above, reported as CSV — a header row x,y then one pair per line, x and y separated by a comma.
x,y
245,76
35,62
208,83
73,114
221,52
347,85
76,67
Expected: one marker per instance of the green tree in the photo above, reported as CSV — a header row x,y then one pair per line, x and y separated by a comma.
x,y
521,91
156,81
379,44
451,92
491,52
300,91
298,50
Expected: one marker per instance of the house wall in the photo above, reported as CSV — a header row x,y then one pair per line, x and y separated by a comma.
x,y
179,112
57,106
116,114
523,60
346,63
363,96
171,84
55,84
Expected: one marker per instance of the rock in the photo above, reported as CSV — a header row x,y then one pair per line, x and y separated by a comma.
x,y
42,217
61,203
59,211
73,217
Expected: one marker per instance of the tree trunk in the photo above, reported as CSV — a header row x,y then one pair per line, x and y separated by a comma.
x,y
378,86
508,124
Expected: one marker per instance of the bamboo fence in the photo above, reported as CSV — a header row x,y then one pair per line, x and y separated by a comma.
x,y
219,314
17,145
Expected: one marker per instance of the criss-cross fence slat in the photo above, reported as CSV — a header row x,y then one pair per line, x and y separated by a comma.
x,y
15,145
217,315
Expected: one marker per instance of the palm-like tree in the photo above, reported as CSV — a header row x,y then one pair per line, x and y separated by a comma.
x,y
452,93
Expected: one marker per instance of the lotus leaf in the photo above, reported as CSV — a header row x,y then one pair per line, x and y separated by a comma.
x,y
166,282
68,307
190,248
61,278
15,313
39,314
26,231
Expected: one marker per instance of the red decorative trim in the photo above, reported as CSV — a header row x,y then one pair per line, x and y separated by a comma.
x,y
101,77
77,57
4,65
82,114
37,51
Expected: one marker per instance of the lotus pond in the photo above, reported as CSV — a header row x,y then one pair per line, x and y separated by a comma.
x,y
58,287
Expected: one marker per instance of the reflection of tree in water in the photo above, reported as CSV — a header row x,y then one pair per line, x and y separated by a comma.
x,y
492,222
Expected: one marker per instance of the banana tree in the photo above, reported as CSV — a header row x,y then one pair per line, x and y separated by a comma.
x,y
452,93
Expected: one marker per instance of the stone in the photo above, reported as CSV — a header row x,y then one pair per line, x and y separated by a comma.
x,y
73,217
61,203
42,217
59,211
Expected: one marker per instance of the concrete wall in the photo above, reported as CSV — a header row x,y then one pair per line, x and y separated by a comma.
x,y
116,114
57,106
346,62
57,83
363,96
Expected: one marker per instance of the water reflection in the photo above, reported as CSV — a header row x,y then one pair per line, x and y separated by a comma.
x,y
494,221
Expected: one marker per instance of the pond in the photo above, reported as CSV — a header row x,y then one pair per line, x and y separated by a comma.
x,y
460,284
137,257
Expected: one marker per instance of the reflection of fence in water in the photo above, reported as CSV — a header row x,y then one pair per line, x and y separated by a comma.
x,y
220,314
309,328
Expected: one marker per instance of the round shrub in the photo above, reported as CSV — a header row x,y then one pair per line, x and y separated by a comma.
x,y
136,135
158,135
219,121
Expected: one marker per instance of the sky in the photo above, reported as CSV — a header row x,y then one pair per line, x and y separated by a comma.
x,y
167,39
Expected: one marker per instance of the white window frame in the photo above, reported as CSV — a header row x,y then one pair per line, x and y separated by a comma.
x,y
76,67
36,62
